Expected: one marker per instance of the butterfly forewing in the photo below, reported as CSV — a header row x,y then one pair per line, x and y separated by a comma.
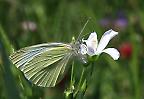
x,y
43,64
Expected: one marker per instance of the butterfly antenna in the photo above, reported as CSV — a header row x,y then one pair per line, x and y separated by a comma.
x,y
83,28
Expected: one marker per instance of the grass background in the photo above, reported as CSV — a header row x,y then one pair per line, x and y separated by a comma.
x,y
28,22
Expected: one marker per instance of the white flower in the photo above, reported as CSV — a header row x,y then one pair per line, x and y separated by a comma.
x,y
92,46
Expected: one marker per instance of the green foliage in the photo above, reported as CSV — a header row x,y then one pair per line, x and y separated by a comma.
x,y
28,22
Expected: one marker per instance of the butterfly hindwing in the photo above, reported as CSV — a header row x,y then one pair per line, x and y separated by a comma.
x,y
43,64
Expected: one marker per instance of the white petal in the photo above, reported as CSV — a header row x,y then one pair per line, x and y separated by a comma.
x,y
107,36
91,43
92,40
83,49
114,53
92,36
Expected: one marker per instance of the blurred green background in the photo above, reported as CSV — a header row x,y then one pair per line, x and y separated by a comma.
x,y
28,22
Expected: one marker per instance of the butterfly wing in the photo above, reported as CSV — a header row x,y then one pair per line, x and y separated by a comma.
x,y
43,64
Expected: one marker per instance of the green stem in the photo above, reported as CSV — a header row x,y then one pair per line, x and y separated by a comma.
x,y
80,81
91,71
83,70
95,58
69,91
72,69
83,86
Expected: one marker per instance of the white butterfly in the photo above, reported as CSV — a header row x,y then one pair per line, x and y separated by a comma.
x,y
46,64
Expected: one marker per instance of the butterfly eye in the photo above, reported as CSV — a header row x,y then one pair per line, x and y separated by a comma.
x,y
83,49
